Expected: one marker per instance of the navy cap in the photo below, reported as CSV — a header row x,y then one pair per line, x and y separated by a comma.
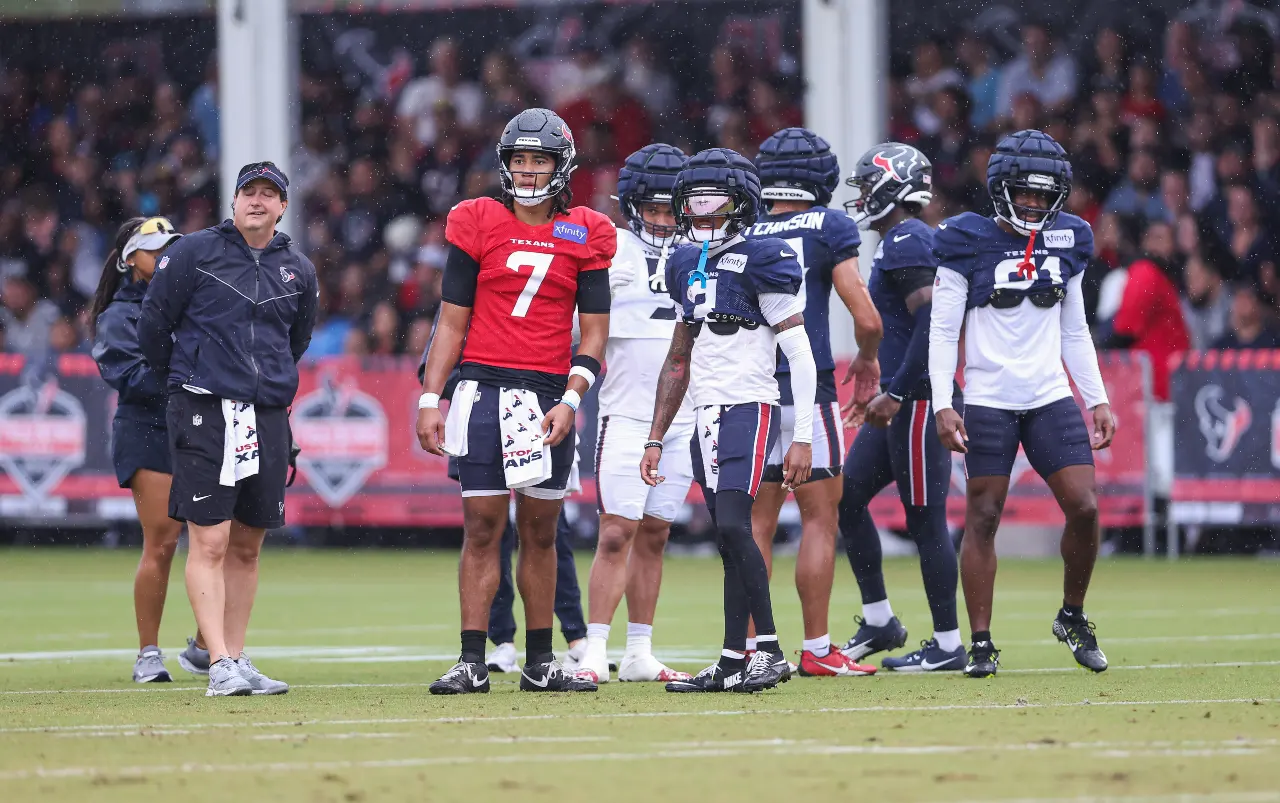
x,y
267,170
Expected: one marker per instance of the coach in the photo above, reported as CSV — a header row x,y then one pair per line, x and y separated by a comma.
x,y
227,317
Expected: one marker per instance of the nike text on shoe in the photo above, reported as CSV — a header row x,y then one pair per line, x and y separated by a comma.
x,y
550,676
766,670
193,659
1078,635
711,679
225,680
261,683
871,639
929,658
984,660
463,678
504,659
647,669
833,664
149,668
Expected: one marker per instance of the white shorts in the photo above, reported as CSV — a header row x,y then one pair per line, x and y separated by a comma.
x,y
828,442
619,489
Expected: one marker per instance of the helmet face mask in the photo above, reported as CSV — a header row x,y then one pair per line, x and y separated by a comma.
x,y
533,132
1028,179
650,232
1029,203
709,214
716,196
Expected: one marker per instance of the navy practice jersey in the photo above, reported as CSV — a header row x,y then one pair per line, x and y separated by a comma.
x,y
906,246
734,356
821,238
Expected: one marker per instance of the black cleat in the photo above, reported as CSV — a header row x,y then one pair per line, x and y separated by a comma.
x,y
871,639
463,678
711,679
984,660
766,670
1078,635
550,676
929,658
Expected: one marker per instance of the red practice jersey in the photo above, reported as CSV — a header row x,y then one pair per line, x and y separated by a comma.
x,y
528,283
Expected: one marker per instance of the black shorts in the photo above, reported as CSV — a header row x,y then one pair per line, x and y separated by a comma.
x,y
481,472
196,433
138,445
1053,436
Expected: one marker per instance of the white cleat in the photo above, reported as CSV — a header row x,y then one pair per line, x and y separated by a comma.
x,y
647,669
504,659
595,662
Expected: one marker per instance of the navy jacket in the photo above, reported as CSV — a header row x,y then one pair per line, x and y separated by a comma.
x,y
217,319
115,348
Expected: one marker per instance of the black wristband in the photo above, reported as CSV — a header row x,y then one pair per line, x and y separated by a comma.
x,y
585,361
653,445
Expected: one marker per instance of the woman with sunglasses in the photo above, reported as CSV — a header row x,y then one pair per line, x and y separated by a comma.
x,y
139,439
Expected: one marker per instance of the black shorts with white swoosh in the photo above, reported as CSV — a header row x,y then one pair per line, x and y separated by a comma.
x,y
196,434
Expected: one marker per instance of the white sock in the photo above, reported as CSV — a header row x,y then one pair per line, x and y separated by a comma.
x,y
820,646
751,644
598,631
877,614
767,643
639,639
948,640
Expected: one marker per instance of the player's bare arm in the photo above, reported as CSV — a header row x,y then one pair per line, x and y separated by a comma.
x,y
884,407
673,382
442,356
797,464
868,329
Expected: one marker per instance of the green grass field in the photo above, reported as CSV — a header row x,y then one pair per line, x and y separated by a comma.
x,y
1190,710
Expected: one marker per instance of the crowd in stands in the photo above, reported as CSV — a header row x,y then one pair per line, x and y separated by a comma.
x,y
1175,144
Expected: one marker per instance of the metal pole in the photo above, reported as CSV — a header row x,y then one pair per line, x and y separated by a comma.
x,y
1148,486
257,84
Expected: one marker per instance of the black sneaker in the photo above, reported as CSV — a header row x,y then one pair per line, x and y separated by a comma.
x,y
711,679
766,670
1078,635
871,639
929,658
550,676
984,660
463,678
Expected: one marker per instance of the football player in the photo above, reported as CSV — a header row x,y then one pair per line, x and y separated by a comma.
x,y
635,519
892,183
740,301
517,267
798,172
1014,282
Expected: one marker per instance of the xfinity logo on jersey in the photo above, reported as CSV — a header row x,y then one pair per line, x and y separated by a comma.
x,y
809,220
734,263
1222,428
1060,238
569,231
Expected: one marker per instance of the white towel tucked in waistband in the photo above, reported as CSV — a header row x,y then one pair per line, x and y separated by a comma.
x,y
526,459
239,442
455,426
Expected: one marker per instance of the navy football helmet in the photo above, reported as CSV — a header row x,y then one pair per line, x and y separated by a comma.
x,y
649,176
889,174
1028,161
796,164
716,183
539,130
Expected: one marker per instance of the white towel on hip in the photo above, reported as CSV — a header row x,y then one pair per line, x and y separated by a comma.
x,y
526,458
456,425
239,442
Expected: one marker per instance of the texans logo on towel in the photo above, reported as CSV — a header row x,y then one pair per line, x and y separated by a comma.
x,y
509,442
517,402
506,413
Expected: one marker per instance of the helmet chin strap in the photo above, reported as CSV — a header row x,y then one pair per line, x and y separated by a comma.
x,y
1027,268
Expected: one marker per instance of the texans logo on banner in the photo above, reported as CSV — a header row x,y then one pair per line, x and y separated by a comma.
x,y
342,432
42,435
1221,426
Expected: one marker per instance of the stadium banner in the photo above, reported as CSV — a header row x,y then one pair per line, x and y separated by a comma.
x,y
1227,437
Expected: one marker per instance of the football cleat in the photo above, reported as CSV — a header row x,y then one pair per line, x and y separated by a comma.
x,y
550,676
463,678
711,679
504,659
1078,635
871,639
766,670
929,658
647,669
794,668
594,661
984,660
833,664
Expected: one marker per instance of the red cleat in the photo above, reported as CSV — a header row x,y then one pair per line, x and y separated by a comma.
x,y
833,664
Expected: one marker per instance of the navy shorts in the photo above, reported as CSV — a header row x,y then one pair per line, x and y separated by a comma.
x,y
139,445
907,452
1054,437
480,471
731,444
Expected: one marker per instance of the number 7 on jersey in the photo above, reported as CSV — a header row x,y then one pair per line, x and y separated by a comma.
x,y
540,263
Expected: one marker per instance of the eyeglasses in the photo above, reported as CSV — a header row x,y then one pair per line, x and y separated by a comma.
x,y
1046,298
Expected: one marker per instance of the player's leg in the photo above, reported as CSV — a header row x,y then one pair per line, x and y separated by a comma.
x,y
867,470
568,599
770,497
151,582
502,617
993,446
1057,446
923,471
